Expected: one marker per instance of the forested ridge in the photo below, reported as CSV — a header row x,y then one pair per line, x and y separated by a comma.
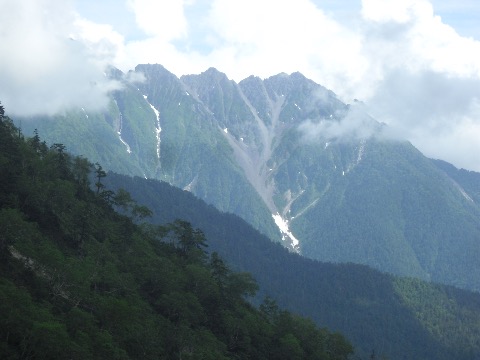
x,y
78,280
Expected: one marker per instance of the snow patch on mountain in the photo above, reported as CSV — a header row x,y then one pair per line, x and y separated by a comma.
x,y
191,185
462,191
158,128
287,235
129,150
125,143
119,126
465,195
361,152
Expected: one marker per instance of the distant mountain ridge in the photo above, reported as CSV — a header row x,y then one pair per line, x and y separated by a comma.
x,y
289,157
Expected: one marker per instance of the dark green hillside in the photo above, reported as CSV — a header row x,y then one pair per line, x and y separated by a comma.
x,y
402,318
81,281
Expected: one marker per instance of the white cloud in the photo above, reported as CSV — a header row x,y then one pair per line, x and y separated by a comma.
x,y
354,124
418,37
135,77
460,146
426,79
164,19
247,37
43,69
287,36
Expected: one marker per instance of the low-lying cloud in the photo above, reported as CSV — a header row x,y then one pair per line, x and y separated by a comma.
x,y
430,100
351,125
46,66
425,80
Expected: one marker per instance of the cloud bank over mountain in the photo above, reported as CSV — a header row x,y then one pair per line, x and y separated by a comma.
x,y
46,63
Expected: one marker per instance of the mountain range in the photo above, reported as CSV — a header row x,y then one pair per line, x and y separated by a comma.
x,y
322,177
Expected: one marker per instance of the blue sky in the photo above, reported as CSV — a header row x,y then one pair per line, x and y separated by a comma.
x,y
415,63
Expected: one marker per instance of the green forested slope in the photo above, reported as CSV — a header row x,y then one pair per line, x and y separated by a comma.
x,y
398,317
399,213
80,281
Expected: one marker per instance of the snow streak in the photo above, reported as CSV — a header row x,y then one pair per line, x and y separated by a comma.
x,y
85,113
361,151
119,132
285,231
158,129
